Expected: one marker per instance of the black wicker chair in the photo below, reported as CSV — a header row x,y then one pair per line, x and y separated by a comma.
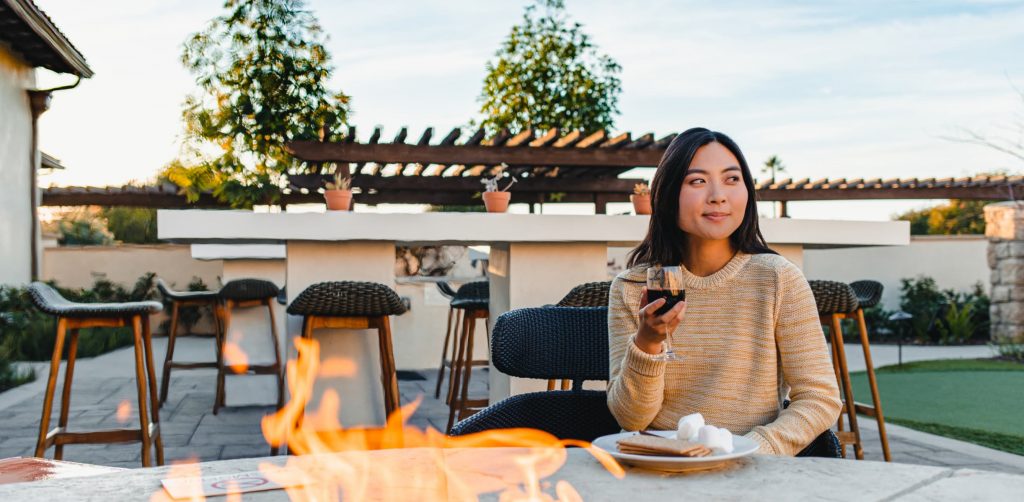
x,y
591,294
522,346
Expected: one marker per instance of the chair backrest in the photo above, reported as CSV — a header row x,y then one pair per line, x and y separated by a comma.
x,y
591,294
868,292
552,343
833,297
446,289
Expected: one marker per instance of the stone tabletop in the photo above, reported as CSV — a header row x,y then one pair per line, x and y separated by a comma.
x,y
425,473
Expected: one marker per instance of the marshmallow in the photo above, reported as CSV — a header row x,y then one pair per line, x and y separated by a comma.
x,y
689,426
718,440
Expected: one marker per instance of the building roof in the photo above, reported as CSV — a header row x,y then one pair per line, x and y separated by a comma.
x,y
50,162
28,31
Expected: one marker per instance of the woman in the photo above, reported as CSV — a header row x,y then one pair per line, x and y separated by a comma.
x,y
747,336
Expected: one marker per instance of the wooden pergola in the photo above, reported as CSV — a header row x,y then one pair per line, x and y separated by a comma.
x,y
550,167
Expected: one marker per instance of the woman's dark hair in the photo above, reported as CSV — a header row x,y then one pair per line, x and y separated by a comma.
x,y
665,242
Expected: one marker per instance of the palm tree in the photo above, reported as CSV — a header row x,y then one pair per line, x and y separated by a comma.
x,y
773,165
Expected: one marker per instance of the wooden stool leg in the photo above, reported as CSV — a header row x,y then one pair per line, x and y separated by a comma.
x,y
140,384
467,366
44,421
277,355
147,341
851,411
444,354
458,368
456,348
65,396
279,368
170,353
875,397
389,377
225,312
839,379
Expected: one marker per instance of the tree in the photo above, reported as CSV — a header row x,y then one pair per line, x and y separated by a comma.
x,y
549,74
262,72
131,225
953,218
772,166
1009,140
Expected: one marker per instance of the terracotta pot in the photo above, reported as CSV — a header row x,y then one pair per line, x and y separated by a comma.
x,y
641,203
338,200
497,202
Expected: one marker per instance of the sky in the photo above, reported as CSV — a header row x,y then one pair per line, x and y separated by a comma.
x,y
835,89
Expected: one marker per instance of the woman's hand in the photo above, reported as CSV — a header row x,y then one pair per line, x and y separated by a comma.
x,y
654,328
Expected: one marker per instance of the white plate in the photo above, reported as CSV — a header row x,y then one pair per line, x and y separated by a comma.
x,y
742,447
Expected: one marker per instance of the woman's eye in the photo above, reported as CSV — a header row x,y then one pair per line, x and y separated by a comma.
x,y
734,179
696,181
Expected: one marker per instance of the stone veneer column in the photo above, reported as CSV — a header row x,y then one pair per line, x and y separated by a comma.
x,y
1004,227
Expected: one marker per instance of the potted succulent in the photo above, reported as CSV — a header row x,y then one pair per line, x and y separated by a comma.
x,y
641,198
338,193
496,200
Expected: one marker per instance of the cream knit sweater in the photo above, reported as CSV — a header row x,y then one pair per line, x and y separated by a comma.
x,y
750,338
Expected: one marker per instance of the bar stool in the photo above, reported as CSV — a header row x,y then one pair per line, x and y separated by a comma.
x,y
71,317
248,293
179,299
472,301
836,301
590,294
869,293
355,305
446,362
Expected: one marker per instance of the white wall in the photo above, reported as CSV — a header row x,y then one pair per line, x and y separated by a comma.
x,y
15,182
954,261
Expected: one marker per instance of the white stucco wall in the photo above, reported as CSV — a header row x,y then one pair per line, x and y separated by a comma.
x,y
15,149
954,261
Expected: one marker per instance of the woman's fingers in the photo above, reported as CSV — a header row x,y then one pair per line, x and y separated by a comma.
x,y
675,314
649,309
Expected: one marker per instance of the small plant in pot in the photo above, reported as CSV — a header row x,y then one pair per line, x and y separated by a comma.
x,y
338,193
496,199
641,198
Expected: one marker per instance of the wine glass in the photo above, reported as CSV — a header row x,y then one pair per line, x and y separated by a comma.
x,y
667,283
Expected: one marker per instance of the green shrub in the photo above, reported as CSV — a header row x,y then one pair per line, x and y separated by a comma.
x,y
132,225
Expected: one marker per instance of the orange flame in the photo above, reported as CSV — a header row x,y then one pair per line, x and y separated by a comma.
x,y
124,411
239,360
362,463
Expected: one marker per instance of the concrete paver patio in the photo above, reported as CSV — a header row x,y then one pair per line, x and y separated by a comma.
x,y
191,431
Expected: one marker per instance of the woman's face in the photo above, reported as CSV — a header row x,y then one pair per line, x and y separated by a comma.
x,y
713,199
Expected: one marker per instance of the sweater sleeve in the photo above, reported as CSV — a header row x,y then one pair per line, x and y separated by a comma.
x,y
636,385
806,367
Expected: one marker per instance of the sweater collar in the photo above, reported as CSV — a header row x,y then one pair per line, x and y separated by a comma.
x,y
691,281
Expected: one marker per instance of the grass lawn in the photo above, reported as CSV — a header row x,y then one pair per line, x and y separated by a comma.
x,y
975,400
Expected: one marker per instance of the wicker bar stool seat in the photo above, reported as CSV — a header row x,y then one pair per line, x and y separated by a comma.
x,y
868,293
179,300
470,304
71,317
248,293
837,301
355,305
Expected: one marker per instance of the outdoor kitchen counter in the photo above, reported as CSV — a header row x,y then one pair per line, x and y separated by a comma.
x,y
753,478
534,260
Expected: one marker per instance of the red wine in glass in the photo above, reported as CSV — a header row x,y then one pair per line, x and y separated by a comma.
x,y
671,296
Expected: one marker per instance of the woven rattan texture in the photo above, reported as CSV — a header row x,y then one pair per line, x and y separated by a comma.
x,y
591,294
552,343
833,297
347,299
869,293
472,296
171,294
249,289
50,301
565,414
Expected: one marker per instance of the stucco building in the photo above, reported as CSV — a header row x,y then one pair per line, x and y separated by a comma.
x,y
28,40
